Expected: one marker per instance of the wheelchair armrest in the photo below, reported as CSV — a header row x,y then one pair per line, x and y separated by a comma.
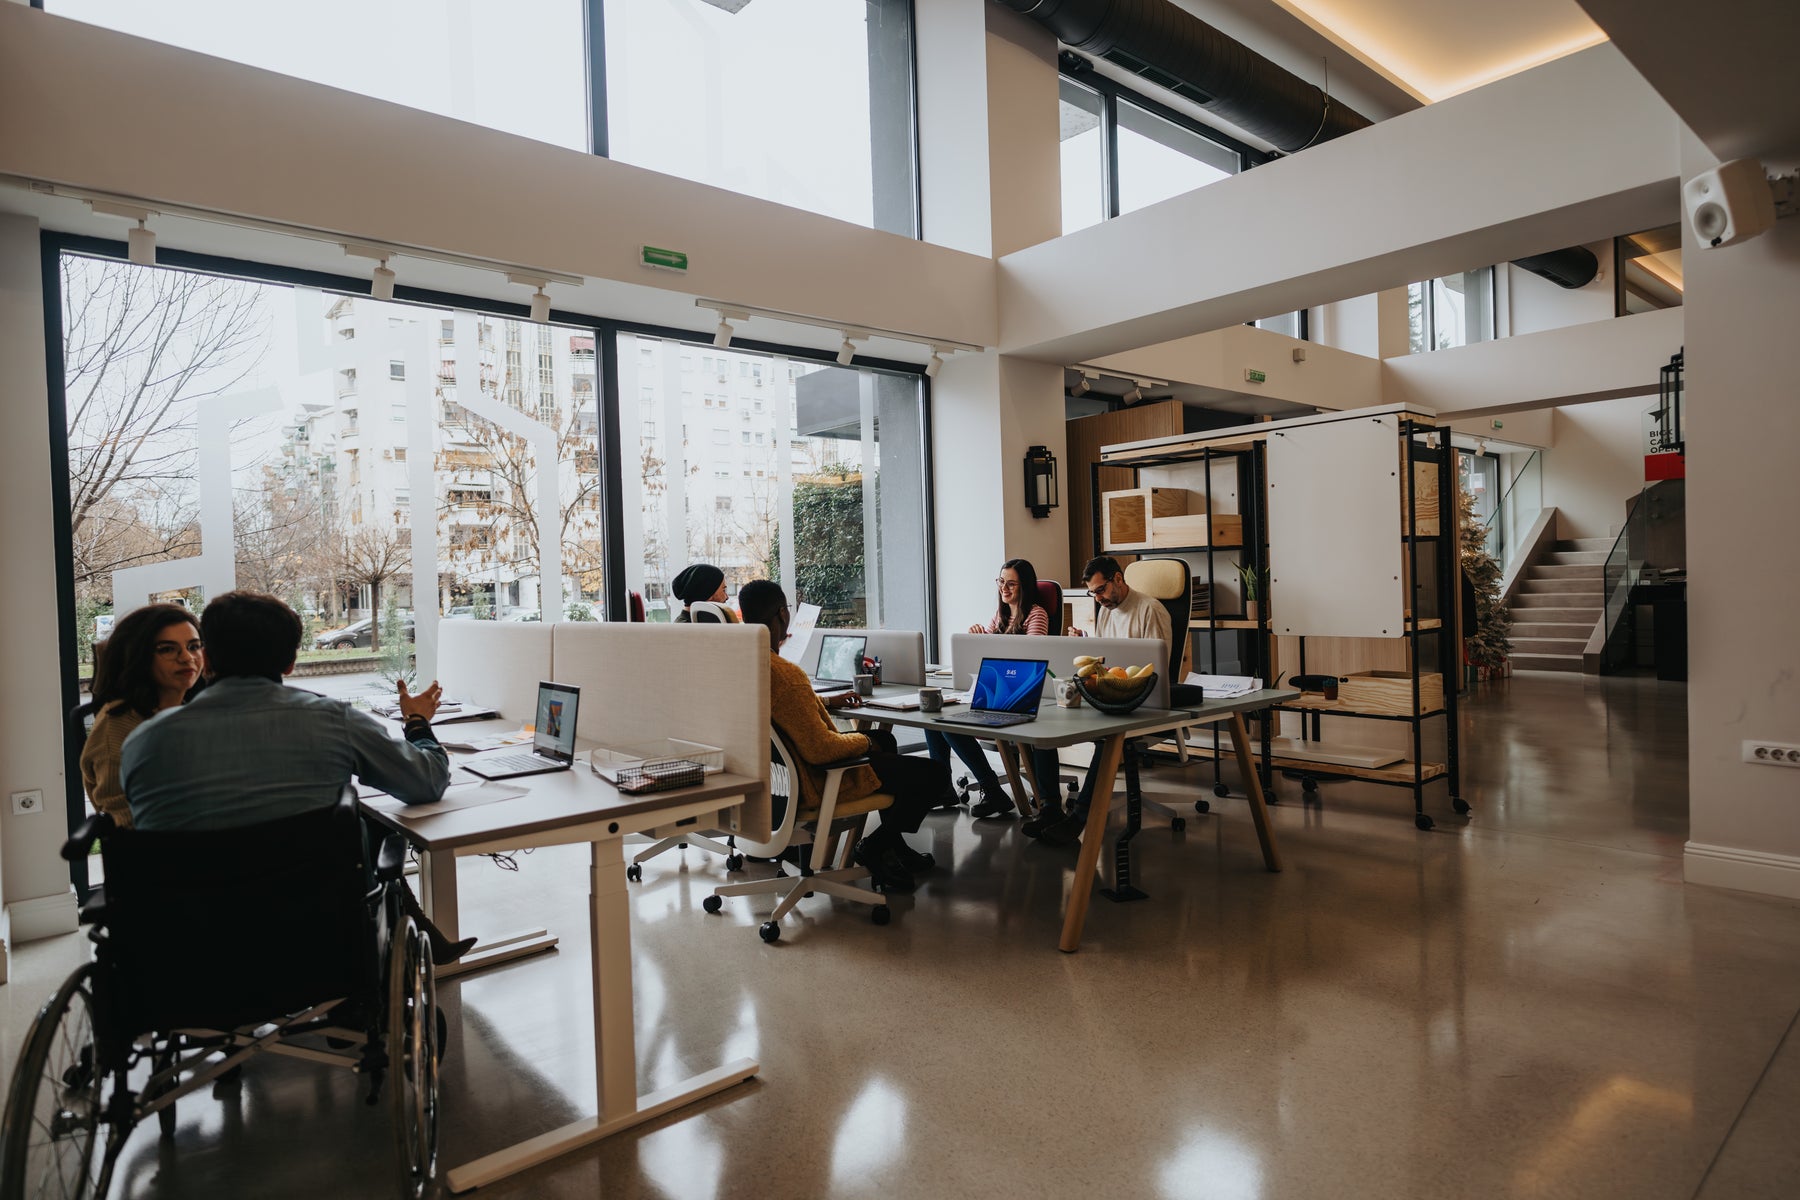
x,y
390,860
81,842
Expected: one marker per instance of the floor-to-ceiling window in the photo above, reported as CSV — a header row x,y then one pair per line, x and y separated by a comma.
x,y
776,467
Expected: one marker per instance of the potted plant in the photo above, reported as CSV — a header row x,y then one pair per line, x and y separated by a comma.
x,y
1251,590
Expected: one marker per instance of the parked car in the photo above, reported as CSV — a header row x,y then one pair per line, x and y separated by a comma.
x,y
357,635
523,614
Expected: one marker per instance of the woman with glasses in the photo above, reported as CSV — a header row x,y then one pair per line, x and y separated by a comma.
x,y
153,660
1019,611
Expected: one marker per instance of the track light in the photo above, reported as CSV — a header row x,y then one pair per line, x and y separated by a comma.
x,y
722,335
1084,383
846,352
140,245
540,305
381,282
1134,395
932,364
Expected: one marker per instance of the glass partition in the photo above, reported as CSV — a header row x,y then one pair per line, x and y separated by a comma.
x,y
1159,159
777,468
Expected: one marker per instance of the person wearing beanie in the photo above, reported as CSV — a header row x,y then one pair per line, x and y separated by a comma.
x,y
701,581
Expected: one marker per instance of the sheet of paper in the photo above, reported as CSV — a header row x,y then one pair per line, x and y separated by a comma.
x,y
461,795
492,741
800,632
1224,687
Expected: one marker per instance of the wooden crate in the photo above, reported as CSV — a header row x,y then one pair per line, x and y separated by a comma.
x,y
1426,475
1197,529
1125,516
1390,692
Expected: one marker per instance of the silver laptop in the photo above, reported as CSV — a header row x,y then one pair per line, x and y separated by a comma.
x,y
552,742
840,661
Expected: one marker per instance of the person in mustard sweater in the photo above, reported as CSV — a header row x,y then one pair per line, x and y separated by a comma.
x,y
917,784
152,660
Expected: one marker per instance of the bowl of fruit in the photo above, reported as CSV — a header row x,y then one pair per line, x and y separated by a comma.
x,y
1113,690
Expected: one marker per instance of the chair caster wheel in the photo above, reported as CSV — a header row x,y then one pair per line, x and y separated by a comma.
x,y
1461,806
681,845
635,873
1423,821
881,914
1177,824
1309,786
712,904
809,895
1221,791
1202,807
734,862
770,931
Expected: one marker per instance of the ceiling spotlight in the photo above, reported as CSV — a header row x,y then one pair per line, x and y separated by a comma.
x,y
846,352
932,365
1134,395
140,245
1083,385
722,335
540,305
381,283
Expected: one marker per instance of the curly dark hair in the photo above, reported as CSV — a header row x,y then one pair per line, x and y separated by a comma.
x,y
123,662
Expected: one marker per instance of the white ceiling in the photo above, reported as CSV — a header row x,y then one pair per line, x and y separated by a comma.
x,y
1434,49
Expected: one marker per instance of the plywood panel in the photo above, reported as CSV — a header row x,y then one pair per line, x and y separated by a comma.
x,y
1085,437
1335,556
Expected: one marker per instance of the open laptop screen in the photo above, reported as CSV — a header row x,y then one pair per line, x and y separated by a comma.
x,y
1013,685
555,727
840,656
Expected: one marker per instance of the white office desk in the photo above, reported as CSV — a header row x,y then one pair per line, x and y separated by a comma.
x,y
564,808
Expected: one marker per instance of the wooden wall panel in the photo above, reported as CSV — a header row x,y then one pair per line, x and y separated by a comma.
x,y
1085,437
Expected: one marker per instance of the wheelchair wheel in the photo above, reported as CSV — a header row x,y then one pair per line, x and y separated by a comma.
x,y
412,1073
56,1138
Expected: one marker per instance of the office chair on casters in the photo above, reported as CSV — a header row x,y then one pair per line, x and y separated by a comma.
x,y
635,606
1050,595
797,826
708,612
1169,581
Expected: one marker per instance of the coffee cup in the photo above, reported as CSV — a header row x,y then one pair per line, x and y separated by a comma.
x,y
1330,688
931,699
865,685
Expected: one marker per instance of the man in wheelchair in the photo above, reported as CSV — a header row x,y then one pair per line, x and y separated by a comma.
x,y
241,916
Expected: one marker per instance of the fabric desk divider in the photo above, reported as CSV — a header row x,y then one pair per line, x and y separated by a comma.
x,y
497,663
902,653
702,683
968,649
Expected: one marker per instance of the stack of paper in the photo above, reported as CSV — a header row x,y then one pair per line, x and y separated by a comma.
x,y
1224,687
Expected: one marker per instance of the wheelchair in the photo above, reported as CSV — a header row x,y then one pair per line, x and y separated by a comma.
x,y
212,948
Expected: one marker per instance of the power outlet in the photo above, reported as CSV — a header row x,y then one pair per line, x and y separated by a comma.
x,y
1775,754
27,802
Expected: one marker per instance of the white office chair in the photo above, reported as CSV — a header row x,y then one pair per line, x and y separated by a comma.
x,y
712,610
800,828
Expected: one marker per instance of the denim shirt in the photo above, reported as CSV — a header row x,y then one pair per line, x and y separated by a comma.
x,y
250,750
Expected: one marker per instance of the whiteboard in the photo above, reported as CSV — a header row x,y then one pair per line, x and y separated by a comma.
x,y
1335,555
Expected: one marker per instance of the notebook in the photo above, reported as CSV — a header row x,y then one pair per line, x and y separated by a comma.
x,y
1007,691
552,742
840,661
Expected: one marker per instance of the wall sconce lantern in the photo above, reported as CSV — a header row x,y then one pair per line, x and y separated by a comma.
x,y
1040,481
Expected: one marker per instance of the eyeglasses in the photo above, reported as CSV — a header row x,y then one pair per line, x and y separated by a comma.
x,y
1096,592
175,649
1006,583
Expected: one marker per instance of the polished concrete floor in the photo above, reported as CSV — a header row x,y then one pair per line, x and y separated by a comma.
x,y
1528,1003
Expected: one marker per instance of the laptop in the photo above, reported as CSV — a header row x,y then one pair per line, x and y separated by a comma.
x,y
552,743
840,662
1007,691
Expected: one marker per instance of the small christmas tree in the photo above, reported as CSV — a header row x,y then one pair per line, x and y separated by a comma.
x,y
1487,648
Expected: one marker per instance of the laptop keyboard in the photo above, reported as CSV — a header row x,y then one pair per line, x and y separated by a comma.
x,y
516,762
986,718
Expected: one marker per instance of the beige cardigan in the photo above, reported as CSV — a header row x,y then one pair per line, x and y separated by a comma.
x,y
100,760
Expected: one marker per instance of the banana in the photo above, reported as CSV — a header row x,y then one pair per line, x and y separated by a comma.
x,y
1087,660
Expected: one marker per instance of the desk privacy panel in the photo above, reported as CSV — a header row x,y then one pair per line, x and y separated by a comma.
x,y
1335,554
494,662
902,654
702,683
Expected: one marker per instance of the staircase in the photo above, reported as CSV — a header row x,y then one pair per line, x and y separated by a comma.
x,y
1556,606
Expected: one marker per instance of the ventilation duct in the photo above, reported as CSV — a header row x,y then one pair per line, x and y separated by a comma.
x,y
1571,268
1170,47
1174,49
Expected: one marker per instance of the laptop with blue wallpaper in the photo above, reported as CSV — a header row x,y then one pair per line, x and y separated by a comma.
x,y
1007,691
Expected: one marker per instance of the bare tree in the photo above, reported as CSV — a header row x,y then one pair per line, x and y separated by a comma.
x,y
281,536
373,554
140,349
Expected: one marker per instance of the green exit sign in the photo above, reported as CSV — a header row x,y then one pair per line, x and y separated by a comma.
x,y
663,260
1252,375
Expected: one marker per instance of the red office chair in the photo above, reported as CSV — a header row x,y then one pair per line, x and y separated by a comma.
x,y
636,601
1050,596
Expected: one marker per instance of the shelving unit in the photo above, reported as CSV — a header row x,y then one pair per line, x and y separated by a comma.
x,y
1413,693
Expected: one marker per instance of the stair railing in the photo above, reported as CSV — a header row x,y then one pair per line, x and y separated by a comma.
x,y
1517,511
1624,567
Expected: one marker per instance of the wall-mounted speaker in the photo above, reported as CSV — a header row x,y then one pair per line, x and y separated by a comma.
x,y
1731,203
